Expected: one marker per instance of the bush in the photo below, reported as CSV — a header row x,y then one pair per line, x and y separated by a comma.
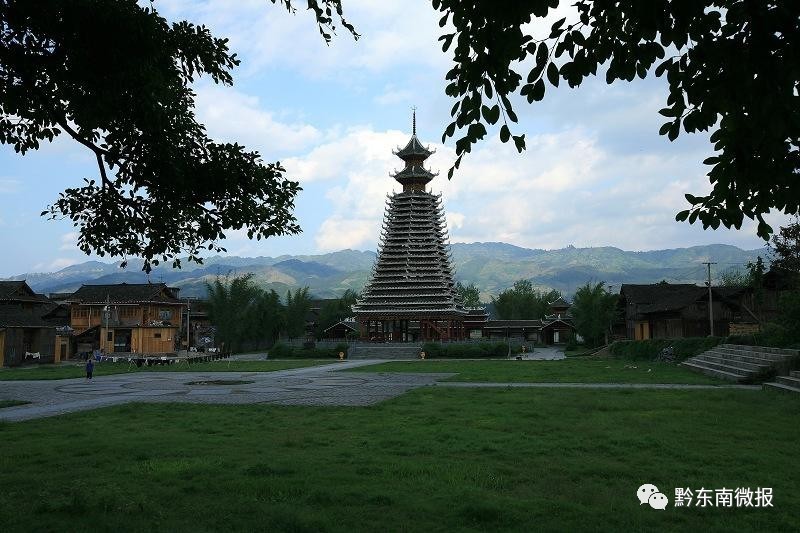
x,y
572,345
341,347
468,350
648,350
282,351
773,335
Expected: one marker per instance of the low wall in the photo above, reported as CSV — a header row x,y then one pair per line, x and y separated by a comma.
x,y
744,329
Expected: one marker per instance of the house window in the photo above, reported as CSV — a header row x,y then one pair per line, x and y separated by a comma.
x,y
110,336
165,314
157,335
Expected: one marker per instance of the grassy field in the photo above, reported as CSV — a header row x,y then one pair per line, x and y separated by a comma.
x,y
578,370
431,460
65,371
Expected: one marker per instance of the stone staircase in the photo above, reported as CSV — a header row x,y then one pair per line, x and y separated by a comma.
x,y
744,364
790,383
389,350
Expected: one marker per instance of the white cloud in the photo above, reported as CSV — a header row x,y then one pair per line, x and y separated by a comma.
x,y
359,150
454,220
392,95
69,241
267,36
564,189
338,233
232,116
62,262
8,185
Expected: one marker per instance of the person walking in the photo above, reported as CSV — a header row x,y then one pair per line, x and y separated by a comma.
x,y
89,369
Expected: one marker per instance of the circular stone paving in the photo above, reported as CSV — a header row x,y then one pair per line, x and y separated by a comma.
x,y
220,382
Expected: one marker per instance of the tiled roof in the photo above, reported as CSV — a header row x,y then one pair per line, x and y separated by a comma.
x,y
19,291
126,293
15,316
413,274
351,325
663,298
550,320
513,324
654,292
413,149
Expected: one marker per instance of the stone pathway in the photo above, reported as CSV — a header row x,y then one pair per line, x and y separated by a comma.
x,y
545,353
675,386
316,385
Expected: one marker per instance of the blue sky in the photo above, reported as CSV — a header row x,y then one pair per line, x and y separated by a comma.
x,y
596,172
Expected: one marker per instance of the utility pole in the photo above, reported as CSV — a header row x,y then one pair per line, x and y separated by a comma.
x,y
188,333
710,300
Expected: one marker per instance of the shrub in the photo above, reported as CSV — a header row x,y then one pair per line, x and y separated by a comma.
x,y
341,347
468,350
280,350
572,345
774,335
651,348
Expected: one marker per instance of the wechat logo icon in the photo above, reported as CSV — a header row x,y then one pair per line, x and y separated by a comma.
x,y
649,494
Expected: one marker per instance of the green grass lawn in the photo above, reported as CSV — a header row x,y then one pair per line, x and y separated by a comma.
x,y
65,371
431,460
578,370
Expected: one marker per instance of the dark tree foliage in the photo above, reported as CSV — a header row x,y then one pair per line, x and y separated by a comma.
x,y
593,310
733,65
243,313
523,302
115,77
333,312
298,304
470,294
785,248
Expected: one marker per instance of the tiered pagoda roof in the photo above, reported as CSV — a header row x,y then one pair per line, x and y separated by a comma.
x,y
413,275
414,175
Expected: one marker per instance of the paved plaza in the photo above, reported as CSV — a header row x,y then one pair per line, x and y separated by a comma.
x,y
316,385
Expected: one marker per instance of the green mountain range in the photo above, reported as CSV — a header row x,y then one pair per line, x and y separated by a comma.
x,y
492,266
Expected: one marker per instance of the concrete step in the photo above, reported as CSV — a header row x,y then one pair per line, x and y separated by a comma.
x,y
744,365
752,357
752,353
714,372
724,366
789,380
385,351
782,387
762,349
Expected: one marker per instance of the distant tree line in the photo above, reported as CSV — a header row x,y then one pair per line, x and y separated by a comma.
x,y
247,316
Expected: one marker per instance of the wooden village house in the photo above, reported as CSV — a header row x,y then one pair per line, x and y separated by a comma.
x,y
31,326
667,310
127,318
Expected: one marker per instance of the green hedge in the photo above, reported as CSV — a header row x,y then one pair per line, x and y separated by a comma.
x,y
283,351
774,335
474,350
649,349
